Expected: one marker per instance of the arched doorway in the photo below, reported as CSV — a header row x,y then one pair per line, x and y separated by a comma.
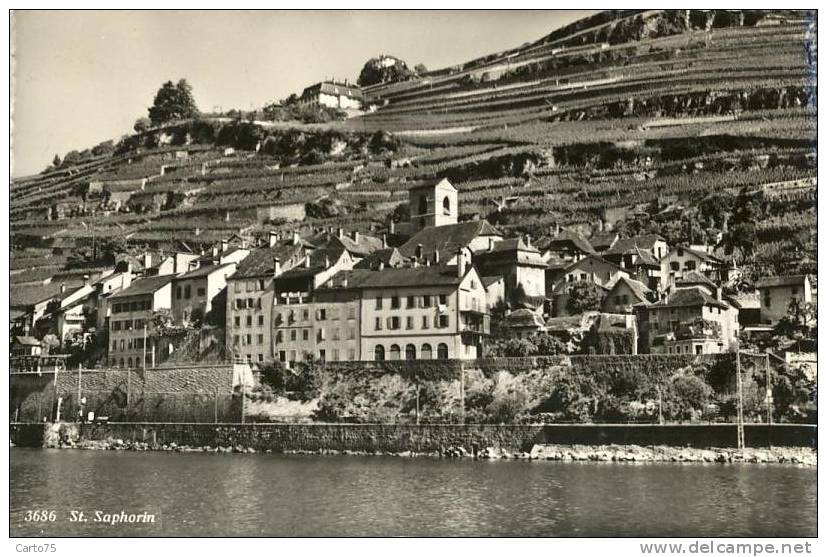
x,y
395,352
410,352
379,353
442,351
426,353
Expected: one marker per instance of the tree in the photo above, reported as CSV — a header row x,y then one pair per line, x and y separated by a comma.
x,y
379,70
142,124
584,296
420,69
173,102
401,213
56,161
549,345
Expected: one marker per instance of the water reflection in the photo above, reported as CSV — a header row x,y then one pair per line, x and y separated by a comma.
x,y
276,495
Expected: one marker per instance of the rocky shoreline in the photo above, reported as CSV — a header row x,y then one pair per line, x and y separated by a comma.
x,y
567,453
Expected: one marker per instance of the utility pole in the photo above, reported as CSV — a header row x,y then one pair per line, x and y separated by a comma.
x,y
769,389
143,359
740,400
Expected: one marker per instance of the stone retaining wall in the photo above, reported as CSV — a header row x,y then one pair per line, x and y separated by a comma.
x,y
427,438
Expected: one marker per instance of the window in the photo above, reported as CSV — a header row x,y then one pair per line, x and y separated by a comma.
x,y
411,302
394,302
239,303
351,312
426,301
443,321
237,321
187,292
279,337
443,299
261,357
379,353
378,302
305,315
425,352
291,317
442,351
410,352
236,286
260,339
260,320
393,323
320,335
249,320
351,333
425,323
322,316
395,352
114,345
202,291
282,356
675,266
293,334
178,293
689,266
139,343
322,355
305,334
409,322
378,325
767,300
261,284
250,303
235,340
116,325
249,339
446,206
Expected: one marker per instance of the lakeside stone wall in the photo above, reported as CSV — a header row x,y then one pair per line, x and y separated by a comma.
x,y
182,393
380,438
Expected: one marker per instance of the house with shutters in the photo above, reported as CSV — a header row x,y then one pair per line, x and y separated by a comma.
x,y
682,260
777,293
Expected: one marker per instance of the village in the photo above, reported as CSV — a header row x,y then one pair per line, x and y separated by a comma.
x,y
429,288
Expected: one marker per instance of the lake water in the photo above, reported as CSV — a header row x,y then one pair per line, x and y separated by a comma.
x,y
196,494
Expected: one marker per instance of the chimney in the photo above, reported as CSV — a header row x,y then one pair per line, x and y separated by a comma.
x,y
436,257
62,287
273,238
86,280
215,251
326,262
344,281
418,252
384,240
460,263
393,227
381,265
340,233
355,236
528,240
415,263
147,260
307,261
276,267
490,244
719,293
296,238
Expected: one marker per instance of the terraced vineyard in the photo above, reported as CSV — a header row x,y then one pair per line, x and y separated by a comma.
x,y
617,116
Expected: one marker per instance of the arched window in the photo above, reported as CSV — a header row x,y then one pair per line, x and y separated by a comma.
x,y
410,352
446,206
425,352
129,362
442,351
395,352
379,353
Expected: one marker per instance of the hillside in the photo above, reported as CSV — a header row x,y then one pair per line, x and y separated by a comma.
x,y
686,123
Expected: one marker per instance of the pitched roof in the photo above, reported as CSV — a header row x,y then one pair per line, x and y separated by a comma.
x,y
364,245
355,279
385,256
601,241
144,286
770,282
699,254
511,244
430,183
204,271
28,295
694,277
689,297
414,276
639,289
260,261
577,264
447,239
334,88
319,261
523,318
488,281
627,245
569,237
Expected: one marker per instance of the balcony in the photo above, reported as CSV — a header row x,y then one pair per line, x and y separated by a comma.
x,y
474,323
